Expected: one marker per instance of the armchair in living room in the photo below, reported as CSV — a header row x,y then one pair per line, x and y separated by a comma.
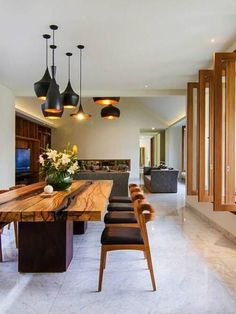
x,y
161,181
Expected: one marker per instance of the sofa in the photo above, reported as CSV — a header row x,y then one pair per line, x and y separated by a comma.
x,y
120,180
160,181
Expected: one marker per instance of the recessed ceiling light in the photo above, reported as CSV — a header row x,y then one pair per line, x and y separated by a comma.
x,y
153,128
146,86
213,40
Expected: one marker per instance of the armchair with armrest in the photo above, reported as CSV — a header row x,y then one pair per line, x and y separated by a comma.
x,y
161,181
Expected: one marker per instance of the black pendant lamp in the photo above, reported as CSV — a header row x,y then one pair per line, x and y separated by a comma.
x,y
80,114
110,112
106,100
53,102
51,115
69,98
41,87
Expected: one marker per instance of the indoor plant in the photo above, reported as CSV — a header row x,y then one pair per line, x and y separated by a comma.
x,y
58,167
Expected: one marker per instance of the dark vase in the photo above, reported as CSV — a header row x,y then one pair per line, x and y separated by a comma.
x,y
59,181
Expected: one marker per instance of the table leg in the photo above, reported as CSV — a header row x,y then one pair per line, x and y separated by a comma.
x,y
80,227
45,246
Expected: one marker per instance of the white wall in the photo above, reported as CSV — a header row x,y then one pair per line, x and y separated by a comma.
x,y
7,138
173,146
103,139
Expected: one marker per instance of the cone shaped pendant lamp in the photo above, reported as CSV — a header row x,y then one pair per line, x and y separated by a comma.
x,y
69,98
80,114
41,87
53,102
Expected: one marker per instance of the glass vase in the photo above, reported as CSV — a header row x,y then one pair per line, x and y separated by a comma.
x,y
59,181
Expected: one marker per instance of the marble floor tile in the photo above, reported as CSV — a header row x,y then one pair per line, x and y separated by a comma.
x,y
194,265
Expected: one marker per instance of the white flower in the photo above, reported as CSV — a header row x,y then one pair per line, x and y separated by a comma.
x,y
41,160
57,164
73,168
65,159
52,154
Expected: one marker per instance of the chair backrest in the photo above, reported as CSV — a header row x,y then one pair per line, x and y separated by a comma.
x,y
3,224
133,185
137,195
15,187
3,191
144,213
134,189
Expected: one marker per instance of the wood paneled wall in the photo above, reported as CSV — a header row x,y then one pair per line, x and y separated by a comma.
x,y
34,136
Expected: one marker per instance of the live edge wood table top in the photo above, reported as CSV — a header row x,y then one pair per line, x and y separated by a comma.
x,y
84,201
46,225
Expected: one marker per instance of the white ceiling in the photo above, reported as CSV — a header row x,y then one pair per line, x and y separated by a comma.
x,y
169,109
128,44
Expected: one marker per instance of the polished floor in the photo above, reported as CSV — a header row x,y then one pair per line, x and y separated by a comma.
x,y
195,269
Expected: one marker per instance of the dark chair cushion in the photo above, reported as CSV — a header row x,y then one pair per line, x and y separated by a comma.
x,y
116,235
119,218
120,207
120,199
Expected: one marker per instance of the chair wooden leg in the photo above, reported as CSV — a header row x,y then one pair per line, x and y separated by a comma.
x,y
105,259
1,259
102,260
149,262
16,233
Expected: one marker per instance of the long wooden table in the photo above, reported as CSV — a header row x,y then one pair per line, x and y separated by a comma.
x,y
46,224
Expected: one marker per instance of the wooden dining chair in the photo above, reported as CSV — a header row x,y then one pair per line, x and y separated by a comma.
x,y
120,217
15,187
1,229
132,237
15,224
126,207
2,225
122,199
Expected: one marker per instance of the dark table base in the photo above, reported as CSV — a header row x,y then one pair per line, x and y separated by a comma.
x,y
80,227
45,246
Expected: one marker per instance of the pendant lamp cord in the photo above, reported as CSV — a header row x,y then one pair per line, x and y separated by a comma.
x,y
69,68
53,42
80,80
46,53
46,36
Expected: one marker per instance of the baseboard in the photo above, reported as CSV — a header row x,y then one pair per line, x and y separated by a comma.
x,y
223,231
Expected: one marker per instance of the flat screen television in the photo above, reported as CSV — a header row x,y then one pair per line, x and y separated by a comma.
x,y
22,160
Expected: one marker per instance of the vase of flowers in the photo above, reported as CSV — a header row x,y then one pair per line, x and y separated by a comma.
x,y
58,168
